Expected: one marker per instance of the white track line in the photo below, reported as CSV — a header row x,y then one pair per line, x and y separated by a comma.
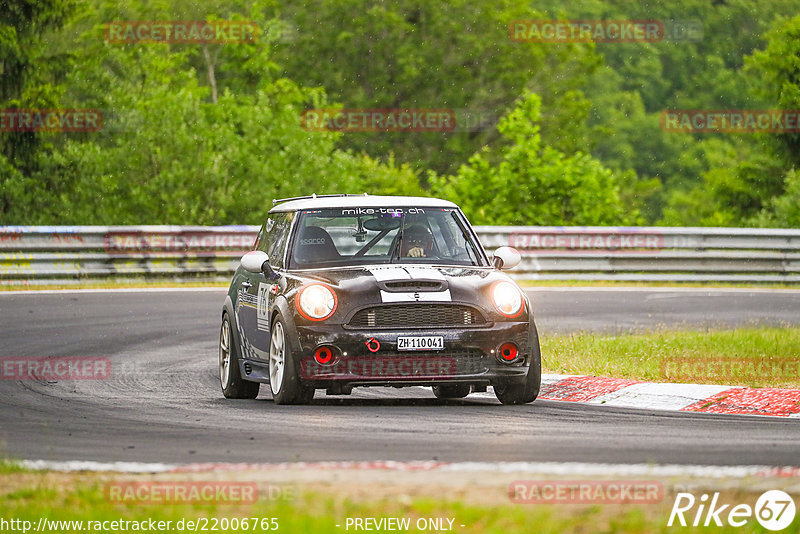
x,y
543,468
658,396
119,467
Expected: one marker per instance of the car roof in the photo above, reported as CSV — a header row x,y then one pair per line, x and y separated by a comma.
x,y
360,201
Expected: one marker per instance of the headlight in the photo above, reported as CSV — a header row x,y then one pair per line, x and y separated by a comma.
x,y
316,302
507,299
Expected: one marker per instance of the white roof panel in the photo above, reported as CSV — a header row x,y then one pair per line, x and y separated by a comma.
x,y
362,201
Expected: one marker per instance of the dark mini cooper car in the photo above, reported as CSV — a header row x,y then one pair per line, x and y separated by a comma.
x,y
342,291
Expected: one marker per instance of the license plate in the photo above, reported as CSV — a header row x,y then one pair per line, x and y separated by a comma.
x,y
420,343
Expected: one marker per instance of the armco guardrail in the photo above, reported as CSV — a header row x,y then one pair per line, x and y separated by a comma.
x,y
651,253
39,254
67,254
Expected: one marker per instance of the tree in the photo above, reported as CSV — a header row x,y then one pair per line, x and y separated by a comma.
x,y
455,54
748,176
528,183
777,70
28,79
169,154
783,211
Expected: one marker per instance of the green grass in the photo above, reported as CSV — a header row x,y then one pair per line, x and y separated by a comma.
x,y
80,497
10,466
668,356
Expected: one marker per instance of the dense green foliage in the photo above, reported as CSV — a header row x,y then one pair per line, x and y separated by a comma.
x,y
567,133
454,54
28,79
531,184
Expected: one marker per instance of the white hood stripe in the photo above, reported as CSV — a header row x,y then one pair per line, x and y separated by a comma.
x,y
389,273
383,274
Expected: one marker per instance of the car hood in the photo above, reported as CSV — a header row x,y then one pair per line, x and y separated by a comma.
x,y
383,284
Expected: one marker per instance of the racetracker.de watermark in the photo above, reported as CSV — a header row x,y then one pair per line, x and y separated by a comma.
x,y
587,241
773,370
370,368
55,368
585,31
586,491
378,120
196,242
51,120
730,121
181,32
182,492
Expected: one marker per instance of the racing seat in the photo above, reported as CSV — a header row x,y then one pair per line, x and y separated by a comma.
x,y
315,245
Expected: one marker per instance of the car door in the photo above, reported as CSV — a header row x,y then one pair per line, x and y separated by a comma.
x,y
255,295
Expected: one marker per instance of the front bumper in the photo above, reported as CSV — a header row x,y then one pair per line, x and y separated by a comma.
x,y
469,356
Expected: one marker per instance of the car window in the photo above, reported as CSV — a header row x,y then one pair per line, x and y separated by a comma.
x,y
273,237
438,236
258,238
332,237
461,243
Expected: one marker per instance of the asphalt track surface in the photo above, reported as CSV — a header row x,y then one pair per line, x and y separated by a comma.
x,y
162,402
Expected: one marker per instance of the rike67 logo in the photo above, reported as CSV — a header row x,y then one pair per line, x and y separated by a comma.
x,y
774,510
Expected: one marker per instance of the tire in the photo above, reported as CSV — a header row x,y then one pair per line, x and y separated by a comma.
x,y
525,391
452,391
230,378
284,376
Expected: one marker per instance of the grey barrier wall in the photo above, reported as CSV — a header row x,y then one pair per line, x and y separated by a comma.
x,y
651,253
43,254
72,254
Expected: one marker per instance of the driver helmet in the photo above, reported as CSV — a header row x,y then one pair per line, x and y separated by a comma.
x,y
417,236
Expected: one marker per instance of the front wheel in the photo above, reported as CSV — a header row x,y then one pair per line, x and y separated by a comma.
x,y
233,385
524,391
284,379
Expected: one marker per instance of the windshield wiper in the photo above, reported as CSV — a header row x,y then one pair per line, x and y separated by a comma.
x,y
399,241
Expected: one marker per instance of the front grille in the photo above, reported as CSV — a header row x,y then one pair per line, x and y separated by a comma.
x,y
417,316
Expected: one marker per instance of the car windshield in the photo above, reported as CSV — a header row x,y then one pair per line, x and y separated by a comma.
x,y
382,235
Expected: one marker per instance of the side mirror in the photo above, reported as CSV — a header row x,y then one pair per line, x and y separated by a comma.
x,y
506,258
257,261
